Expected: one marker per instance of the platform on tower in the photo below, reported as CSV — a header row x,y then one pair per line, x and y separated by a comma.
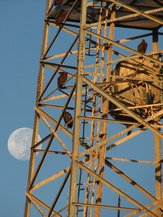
x,y
140,14
138,86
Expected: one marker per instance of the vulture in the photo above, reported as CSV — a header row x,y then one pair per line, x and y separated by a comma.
x,y
68,119
142,47
62,79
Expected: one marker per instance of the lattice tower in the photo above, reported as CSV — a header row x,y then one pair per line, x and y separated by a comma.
x,y
98,111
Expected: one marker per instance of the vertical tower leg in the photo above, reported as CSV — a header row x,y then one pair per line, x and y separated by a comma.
x,y
40,84
74,168
157,146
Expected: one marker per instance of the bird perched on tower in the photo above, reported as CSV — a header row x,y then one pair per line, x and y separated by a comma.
x,y
68,119
142,47
62,79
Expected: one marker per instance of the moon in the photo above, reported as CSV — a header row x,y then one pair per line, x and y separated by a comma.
x,y
19,143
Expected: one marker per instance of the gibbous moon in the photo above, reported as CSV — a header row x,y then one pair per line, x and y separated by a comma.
x,y
19,143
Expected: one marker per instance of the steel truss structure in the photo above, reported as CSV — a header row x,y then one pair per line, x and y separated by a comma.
x,y
110,162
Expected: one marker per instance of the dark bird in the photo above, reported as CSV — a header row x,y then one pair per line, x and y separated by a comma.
x,y
142,47
62,79
68,119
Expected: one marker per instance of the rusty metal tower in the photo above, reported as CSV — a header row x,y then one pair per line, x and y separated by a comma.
x,y
98,111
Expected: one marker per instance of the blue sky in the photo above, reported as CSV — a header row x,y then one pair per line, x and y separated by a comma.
x,y
21,23
21,27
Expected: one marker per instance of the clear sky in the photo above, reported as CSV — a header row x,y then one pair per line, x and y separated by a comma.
x,y
21,26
